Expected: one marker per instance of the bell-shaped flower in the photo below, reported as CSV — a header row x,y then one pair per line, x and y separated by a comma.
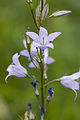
x,y
50,94
69,82
42,113
16,69
32,117
35,88
43,40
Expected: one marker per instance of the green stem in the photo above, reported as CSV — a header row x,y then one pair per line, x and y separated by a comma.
x,y
57,80
42,90
42,79
31,8
41,6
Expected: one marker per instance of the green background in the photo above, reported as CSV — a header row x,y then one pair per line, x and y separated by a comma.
x,y
15,17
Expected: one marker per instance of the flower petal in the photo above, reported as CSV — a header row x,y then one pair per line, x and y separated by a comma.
x,y
7,77
24,43
18,71
75,75
71,77
50,45
33,35
43,32
70,84
50,60
43,47
52,36
31,65
15,59
25,53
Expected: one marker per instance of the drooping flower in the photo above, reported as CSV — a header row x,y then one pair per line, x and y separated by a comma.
x,y
50,94
35,88
69,82
32,117
43,40
42,113
16,69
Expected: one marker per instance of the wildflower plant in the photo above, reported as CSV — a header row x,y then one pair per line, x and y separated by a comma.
x,y
36,47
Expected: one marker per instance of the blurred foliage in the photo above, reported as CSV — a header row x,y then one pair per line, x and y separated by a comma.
x,y
15,17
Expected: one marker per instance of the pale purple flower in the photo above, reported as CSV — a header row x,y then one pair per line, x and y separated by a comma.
x,y
16,69
43,40
69,82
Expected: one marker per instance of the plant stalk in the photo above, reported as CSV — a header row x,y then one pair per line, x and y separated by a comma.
x,y
31,8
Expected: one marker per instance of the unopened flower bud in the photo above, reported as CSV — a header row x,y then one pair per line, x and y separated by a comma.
x,y
26,116
35,88
50,94
37,11
29,1
45,74
44,1
60,13
45,11
31,116
42,113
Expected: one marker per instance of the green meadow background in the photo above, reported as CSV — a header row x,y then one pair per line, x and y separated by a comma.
x,y
15,17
